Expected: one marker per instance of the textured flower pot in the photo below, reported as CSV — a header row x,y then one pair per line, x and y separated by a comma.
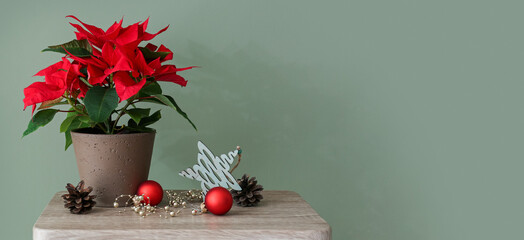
x,y
113,164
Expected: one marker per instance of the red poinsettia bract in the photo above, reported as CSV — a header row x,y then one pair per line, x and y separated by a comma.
x,y
114,60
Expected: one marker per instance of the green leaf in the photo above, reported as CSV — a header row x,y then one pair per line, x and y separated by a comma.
x,y
131,123
79,48
150,55
76,123
138,113
150,119
68,140
66,123
71,112
152,88
100,103
85,119
169,101
40,119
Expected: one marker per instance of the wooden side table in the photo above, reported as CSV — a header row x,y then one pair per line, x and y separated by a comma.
x,y
280,215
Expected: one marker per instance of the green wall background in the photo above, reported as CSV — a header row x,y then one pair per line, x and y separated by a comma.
x,y
393,119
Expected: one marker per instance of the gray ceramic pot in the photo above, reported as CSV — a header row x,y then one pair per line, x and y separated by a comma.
x,y
113,164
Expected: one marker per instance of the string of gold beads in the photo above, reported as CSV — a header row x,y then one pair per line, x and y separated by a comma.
x,y
175,200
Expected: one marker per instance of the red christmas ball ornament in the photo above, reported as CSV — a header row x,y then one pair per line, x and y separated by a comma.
x,y
152,190
218,200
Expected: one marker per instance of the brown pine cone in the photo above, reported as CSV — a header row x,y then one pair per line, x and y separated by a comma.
x,y
78,200
251,193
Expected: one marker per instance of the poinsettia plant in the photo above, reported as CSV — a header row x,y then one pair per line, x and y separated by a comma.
x,y
102,77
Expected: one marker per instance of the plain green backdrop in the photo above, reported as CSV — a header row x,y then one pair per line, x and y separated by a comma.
x,y
393,119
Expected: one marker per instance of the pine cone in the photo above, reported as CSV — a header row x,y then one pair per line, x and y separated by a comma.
x,y
250,194
78,200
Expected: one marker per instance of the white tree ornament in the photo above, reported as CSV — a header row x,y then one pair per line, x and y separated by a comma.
x,y
212,171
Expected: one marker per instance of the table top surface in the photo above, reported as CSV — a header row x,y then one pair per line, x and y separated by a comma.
x,y
280,215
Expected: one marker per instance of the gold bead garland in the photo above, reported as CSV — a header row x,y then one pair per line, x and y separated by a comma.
x,y
182,198
142,209
175,200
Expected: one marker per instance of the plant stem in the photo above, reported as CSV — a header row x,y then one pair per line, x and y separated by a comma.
x,y
102,127
145,97
111,83
109,130
122,112
141,98
74,105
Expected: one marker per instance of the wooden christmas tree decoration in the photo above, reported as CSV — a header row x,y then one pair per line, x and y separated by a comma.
x,y
212,171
